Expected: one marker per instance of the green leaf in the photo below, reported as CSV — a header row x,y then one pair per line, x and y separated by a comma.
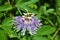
x,y
31,2
6,26
5,7
50,10
49,36
58,6
46,30
42,9
34,6
2,35
40,38
58,19
7,22
26,2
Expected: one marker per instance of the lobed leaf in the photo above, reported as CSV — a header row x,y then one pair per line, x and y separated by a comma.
x,y
6,26
46,30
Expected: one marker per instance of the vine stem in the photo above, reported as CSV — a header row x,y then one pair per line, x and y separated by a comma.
x,y
9,5
8,2
55,34
19,11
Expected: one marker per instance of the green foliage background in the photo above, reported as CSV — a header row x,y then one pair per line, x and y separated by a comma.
x,y
46,10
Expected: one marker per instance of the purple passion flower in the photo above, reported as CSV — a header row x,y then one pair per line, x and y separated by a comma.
x,y
26,22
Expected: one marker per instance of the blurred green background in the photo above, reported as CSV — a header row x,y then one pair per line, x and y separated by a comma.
x,y
46,10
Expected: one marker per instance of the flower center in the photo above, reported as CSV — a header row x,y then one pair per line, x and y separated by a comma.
x,y
27,17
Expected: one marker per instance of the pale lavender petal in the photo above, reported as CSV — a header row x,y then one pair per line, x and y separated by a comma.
x,y
19,27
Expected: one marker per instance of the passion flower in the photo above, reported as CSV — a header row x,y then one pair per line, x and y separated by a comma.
x,y
26,22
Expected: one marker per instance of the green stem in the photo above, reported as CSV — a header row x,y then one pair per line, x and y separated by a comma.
x,y
55,34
